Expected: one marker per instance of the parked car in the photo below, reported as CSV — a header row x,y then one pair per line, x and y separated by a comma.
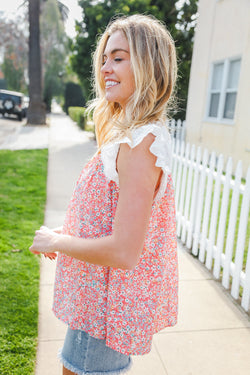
x,y
26,102
12,103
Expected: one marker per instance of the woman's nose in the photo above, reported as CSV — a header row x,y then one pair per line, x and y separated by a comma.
x,y
107,67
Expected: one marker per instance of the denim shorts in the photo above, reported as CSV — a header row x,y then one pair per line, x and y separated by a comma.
x,y
85,355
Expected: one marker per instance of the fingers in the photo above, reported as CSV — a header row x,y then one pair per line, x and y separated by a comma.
x,y
43,243
57,230
43,228
33,251
51,256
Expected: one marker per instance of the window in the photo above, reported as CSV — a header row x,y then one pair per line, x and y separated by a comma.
x,y
223,90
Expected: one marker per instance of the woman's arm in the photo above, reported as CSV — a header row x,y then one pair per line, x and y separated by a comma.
x,y
138,177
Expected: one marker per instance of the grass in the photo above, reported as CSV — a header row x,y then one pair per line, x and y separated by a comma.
x,y
22,202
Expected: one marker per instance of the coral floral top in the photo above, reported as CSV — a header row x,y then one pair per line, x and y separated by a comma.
x,y
125,307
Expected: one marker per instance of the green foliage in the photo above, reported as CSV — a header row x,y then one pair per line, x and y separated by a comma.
x,y
180,20
53,84
96,17
22,202
55,49
14,49
13,72
78,114
184,37
73,96
3,84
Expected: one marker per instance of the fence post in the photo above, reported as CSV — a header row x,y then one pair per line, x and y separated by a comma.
x,y
203,241
173,153
223,217
194,197
179,130
172,127
200,199
183,132
188,195
183,191
231,226
214,215
245,302
179,174
175,162
241,238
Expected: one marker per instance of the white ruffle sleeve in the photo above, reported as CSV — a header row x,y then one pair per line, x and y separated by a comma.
x,y
161,148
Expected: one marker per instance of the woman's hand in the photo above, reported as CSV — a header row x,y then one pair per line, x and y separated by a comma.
x,y
58,230
44,242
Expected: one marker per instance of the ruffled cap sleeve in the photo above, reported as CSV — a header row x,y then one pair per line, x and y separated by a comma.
x,y
161,148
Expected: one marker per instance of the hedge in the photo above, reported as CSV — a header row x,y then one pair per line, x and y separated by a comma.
x,y
73,96
78,114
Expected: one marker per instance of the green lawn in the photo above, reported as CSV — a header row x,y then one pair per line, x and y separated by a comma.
x,y
22,202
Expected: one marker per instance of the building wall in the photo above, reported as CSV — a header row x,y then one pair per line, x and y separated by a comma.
x,y
223,31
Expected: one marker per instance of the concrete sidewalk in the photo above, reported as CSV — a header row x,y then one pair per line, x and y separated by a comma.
x,y
69,150
213,334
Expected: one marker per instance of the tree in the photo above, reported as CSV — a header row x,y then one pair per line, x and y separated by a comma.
x,y
13,71
14,48
96,16
54,50
180,20
168,13
185,26
36,111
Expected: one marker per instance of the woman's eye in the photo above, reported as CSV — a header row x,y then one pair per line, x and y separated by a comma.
x,y
116,59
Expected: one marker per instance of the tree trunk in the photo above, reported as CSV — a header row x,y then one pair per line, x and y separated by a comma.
x,y
36,113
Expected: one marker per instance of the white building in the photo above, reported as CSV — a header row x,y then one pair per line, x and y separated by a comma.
x,y
218,110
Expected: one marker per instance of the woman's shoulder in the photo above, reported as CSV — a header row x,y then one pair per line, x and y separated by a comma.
x,y
133,137
158,129
154,135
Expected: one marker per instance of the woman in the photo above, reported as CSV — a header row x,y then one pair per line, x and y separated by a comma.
x,y
116,279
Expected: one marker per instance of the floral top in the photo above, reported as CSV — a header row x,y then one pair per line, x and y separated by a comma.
x,y
125,307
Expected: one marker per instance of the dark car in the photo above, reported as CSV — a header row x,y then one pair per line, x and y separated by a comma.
x,y
12,103
26,102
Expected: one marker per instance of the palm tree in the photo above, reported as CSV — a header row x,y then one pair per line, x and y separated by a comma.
x,y
36,113
63,9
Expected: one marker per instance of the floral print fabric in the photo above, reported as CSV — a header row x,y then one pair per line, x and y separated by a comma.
x,y
124,307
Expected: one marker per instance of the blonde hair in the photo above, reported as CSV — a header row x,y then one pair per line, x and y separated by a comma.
x,y
153,61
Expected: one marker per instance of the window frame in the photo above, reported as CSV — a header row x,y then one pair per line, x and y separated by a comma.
x,y
223,91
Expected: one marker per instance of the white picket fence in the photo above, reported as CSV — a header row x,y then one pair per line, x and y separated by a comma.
x,y
212,208
177,129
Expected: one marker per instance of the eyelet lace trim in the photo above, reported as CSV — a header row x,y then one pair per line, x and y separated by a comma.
x,y
161,148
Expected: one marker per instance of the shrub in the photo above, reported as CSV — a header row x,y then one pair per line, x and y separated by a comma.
x,y
78,114
73,96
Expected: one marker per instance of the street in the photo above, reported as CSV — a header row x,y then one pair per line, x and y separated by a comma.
x,y
8,126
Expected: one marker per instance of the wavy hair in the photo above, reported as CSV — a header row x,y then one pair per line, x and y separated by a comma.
x,y
153,61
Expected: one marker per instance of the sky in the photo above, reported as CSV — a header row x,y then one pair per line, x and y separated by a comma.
x,y
10,7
